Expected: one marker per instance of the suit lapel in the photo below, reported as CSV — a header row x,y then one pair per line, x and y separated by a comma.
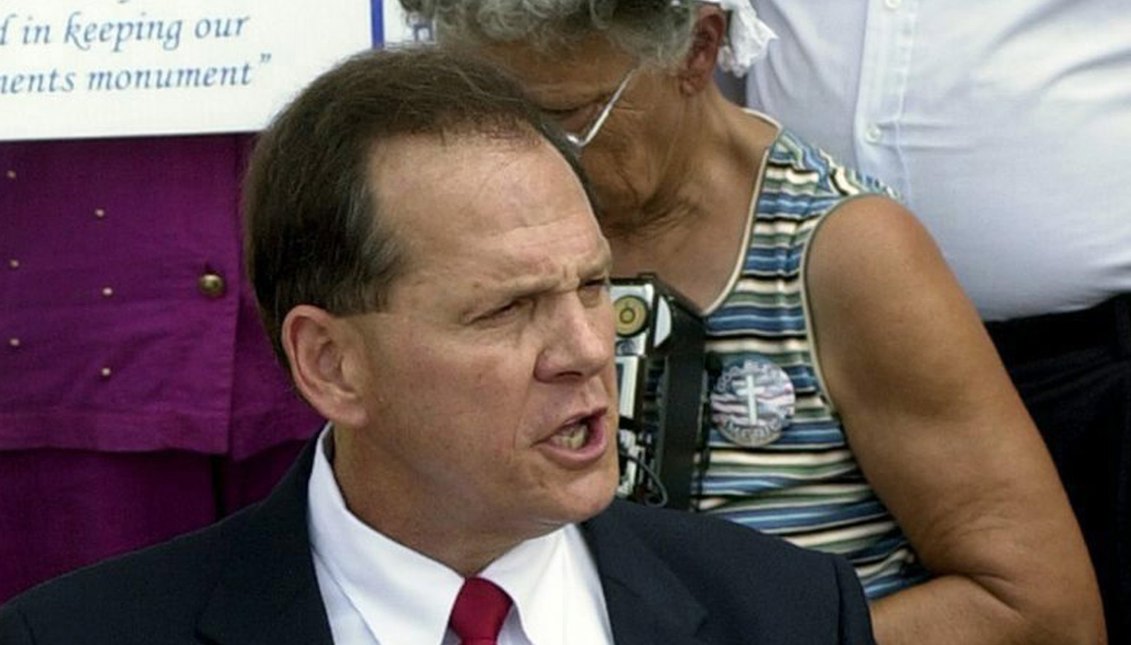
x,y
647,602
269,591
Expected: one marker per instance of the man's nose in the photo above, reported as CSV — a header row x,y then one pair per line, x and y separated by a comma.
x,y
579,339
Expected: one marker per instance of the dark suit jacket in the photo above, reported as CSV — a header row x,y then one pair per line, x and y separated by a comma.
x,y
669,578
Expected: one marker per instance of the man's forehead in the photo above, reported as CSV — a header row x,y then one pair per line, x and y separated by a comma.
x,y
588,256
472,282
542,258
417,166
449,175
462,196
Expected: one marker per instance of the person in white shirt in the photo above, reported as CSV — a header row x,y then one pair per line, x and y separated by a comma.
x,y
426,258
1005,127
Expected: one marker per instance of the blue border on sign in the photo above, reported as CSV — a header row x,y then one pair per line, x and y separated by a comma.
x,y
376,22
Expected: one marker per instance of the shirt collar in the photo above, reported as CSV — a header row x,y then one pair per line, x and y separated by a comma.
x,y
401,595
405,596
553,579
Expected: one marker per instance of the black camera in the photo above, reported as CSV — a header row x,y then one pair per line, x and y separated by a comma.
x,y
660,370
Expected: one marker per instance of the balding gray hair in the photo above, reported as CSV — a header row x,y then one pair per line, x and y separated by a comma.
x,y
654,31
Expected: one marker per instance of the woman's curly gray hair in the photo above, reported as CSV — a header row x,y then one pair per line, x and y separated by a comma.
x,y
655,31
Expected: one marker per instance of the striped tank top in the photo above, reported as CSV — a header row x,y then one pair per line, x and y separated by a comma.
x,y
776,458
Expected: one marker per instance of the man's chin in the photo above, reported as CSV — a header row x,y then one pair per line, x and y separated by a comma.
x,y
594,496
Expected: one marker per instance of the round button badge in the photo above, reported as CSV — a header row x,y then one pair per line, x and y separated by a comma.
x,y
752,402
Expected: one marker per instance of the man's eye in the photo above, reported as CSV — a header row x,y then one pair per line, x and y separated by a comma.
x,y
594,290
501,313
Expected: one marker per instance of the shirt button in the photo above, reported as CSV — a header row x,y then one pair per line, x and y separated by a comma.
x,y
873,134
211,285
11,174
893,4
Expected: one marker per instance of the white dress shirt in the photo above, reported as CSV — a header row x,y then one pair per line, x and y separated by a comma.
x,y
1006,127
379,592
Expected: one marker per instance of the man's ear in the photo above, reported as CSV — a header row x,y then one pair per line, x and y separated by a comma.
x,y
321,348
698,70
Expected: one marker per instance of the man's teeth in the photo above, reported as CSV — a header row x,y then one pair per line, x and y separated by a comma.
x,y
572,437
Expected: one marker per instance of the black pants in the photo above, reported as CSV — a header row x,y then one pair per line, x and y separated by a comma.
x,y
1074,373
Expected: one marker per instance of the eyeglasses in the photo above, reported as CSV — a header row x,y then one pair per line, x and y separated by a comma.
x,y
583,140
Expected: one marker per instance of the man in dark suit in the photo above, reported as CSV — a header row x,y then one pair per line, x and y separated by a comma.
x,y
428,264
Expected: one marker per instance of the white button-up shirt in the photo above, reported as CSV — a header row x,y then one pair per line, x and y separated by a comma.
x,y
1006,127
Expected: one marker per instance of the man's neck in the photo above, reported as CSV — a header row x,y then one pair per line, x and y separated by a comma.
x,y
449,543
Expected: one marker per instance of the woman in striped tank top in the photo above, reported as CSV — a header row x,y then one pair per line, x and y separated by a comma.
x,y
856,404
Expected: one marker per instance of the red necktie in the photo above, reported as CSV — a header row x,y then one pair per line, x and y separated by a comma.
x,y
479,612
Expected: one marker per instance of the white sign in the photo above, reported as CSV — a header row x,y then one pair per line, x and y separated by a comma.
x,y
95,68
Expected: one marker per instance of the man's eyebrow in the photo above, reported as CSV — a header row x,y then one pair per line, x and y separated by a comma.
x,y
602,263
525,285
